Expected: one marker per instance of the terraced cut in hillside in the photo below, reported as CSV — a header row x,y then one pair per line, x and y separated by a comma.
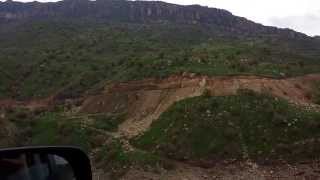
x,y
144,101
154,90
108,125
227,132
205,130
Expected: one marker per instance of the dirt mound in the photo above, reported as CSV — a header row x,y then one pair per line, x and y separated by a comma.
x,y
144,101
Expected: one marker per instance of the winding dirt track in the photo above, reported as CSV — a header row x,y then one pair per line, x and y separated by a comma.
x,y
146,100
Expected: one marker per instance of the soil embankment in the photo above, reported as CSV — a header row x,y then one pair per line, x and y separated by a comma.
x,y
145,100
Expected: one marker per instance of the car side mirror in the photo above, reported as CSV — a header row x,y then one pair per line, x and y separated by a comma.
x,y
44,163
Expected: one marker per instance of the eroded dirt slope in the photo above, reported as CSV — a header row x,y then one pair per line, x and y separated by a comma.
x,y
144,101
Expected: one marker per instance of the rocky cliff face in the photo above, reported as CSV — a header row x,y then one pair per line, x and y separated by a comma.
x,y
138,12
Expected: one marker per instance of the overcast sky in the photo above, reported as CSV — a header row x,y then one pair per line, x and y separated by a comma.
x,y
300,15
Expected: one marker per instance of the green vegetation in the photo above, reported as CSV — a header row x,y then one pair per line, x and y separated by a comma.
x,y
55,129
44,58
72,59
316,96
107,122
86,131
16,127
83,130
116,161
247,125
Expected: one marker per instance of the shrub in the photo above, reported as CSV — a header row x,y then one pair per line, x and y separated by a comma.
x,y
116,161
55,129
108,122
248,124
317,94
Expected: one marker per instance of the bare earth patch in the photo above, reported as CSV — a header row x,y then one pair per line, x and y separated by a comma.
x,y
145,100
235,171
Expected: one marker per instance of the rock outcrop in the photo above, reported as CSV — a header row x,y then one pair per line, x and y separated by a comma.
x,y
109,11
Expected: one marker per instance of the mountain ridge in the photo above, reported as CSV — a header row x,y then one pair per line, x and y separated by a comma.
x,y
140,12
194,83
72,45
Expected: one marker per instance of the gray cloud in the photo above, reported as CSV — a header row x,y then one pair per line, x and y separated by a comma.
x,y
309,23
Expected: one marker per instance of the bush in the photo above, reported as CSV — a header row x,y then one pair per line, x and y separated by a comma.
x,y
108,122
316,98
116,161
248,124
54,129
52,63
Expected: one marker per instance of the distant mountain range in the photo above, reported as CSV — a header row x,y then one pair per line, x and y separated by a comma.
x,y
106,11
69,47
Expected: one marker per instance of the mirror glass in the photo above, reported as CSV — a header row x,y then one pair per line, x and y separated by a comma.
x,y
30,166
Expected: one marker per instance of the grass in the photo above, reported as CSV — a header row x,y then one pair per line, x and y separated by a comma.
x,y
316,96
17,122
116,161
44,58
247,125
56,128
52,128
4,84
107,122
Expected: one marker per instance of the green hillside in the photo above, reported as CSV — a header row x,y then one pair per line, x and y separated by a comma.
x,y
70,58
61,65
248,125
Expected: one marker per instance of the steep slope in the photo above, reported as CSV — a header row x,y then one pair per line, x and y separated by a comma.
x,y
145,101
44,58
74,45
137,12
167,104
242,126
98,74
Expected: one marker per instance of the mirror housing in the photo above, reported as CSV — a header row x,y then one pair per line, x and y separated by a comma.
x,y
74,157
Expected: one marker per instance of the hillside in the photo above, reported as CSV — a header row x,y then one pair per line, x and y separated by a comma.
x,y
144,101
69,46
152,90
107,11
211,129
114,124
